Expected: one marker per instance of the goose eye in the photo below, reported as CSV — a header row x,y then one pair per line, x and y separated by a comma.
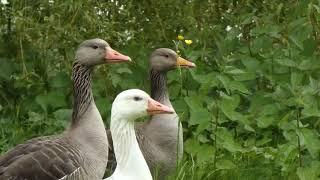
x,y
166,55
95,46
136,98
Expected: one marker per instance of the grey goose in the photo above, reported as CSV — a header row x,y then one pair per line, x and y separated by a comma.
x,y
160,139
82,150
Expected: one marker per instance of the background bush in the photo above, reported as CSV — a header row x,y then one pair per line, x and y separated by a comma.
x,y
250,110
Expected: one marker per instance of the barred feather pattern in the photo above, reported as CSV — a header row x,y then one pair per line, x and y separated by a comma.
x,y
52,157
158,85
78,174
81,76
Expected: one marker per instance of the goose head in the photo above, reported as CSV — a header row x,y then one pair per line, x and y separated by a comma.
x,y
134,103
97,51
164,59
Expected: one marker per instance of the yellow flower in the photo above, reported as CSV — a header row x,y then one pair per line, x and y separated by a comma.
x,y
188,41
180,37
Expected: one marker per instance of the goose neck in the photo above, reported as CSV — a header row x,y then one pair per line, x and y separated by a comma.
x,y
81,76
159,90
129,157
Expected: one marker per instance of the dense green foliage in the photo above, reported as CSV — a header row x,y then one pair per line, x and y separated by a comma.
x,y
250,110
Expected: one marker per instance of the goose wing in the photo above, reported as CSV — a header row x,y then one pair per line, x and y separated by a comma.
x,y
49,158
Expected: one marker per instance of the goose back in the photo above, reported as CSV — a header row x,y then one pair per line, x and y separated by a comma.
x,y
50,157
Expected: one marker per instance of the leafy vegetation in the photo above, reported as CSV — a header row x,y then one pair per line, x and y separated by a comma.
x,y
250,110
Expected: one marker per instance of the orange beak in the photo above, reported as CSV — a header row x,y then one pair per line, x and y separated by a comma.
x,y
184,63
113,56
154,107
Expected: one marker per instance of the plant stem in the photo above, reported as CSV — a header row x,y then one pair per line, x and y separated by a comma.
x,y
299,143
215,138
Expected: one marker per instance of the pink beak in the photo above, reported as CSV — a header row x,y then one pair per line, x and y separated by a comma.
x,y
113,56
154,107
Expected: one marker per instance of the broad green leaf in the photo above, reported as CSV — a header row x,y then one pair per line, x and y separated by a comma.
x,y
205,153
265,121
251,64
270,109
296,79
296,41
194,103
52,99
309,46
286,62
6,68
311,141
229,103
224,80
42,101
201,117
63,114
309,172
227,141
245,76
192,146
225,164
60,80
233,70
235,85
123,70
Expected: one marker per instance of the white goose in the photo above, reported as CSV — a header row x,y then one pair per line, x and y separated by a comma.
x,y
160,139
126,108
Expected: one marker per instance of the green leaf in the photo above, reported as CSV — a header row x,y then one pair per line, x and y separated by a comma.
x,y
225,164
63,114
122,70
194,103
296,41
251,64
311,141
229,103
296,79
104,106
233,70
270,109
205,153
6,69
235,85
192,146
309,46
265,121
60,80
309,173
227,141
286,62
224,80
52,99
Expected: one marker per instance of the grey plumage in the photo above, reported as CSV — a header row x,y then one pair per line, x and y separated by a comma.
x,y
50,157
79,153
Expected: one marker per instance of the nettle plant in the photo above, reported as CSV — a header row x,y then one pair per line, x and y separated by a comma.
x,y
250,109
253,100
